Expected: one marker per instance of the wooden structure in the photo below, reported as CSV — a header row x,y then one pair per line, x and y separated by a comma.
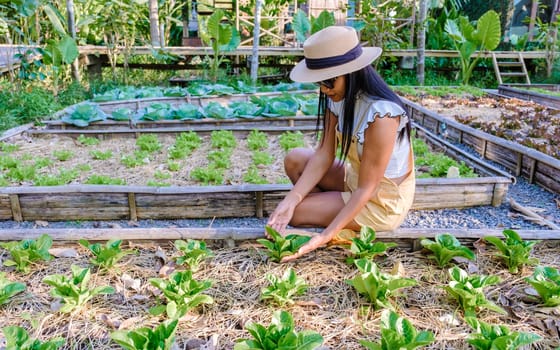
x,y
524,92
514,67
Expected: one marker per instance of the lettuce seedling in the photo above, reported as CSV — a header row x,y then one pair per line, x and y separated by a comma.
x,y
546,281
148,143
364,247
18,338
106,256
280,334
160,338
28,251
74,291
515,252
289,140
497,337
398,333
257,140
445,248
282,290
279,246
183,293
377,286
469,291
193,253
8,288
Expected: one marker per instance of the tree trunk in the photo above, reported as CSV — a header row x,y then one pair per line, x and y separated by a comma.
x,y
256,35
154,24
72,31
421,42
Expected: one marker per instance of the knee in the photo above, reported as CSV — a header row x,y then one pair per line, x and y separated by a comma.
x,y
295,161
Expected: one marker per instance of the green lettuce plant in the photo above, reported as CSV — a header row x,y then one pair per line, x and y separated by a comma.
x,y
87,140
83,114
445,248
514,251
74,291
161,337
193,253
376,285
17,338
107,255
289,140
148,143
183,293
8,288
469,291
282,290
497,337
546,281
26,252
281,334
398,333
279,246
364,247
257,140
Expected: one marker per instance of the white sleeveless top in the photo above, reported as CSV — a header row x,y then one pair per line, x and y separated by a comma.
x,y
367,109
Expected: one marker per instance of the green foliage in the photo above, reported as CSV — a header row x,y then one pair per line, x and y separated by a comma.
x,y
183,293
215,110
81,115
139,158
8,288
445,248
437,163
497,337
279,246
28,251
62,178
17,338
377,286
364,247
514,251
282,290
467,39
261,158
223,139
220,158
281,334
100,155
9,147
22,173
210,175
291,139
252,176
88,141
257,140
398,333
148,143
469,291
75,291
193,253
63,154
106,256
160,338
104,180
185,143
546,281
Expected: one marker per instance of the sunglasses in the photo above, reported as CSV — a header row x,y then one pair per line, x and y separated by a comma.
x,y
329,83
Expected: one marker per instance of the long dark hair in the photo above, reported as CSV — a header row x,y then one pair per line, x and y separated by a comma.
x,y
368,81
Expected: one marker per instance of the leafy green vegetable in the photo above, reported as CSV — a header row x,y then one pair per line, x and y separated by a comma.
x,y
515,252
398,333
156,111
279,246
223,139
492,337
215,110
28,251
75,291
282,290
104,180
108,255
160,338
83,114
121,114
445,248
8,288
546,281
280,334
469,291
364,247
252,176
183,293
285,105
186,111
17,338
63,154
377,286
289,140
209,175
257,140
193,253
243,109
88,141
148,143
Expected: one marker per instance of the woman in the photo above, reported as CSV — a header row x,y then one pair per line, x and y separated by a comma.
x,y
373,184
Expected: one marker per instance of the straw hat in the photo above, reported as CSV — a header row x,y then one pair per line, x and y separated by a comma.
x,y
332,52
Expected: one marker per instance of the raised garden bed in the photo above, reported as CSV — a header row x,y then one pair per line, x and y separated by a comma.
x,y
548,95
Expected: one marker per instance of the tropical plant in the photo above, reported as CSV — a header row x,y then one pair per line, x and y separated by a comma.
x,y
8,288
546,281
497,337
282,290
376,285
161,337
106,256
398,333
279,246
445,248
303,26
193,253
281,334
468,39
514,251
469,291
28,251
74,291
364,247
17,338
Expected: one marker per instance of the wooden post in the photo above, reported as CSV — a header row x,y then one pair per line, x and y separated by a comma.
x,y
259,204
132,206
16,208
154,24
421,42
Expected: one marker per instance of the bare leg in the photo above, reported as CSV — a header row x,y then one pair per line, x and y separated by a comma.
x,y
295,162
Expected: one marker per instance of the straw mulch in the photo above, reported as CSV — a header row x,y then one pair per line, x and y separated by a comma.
x,y
330,306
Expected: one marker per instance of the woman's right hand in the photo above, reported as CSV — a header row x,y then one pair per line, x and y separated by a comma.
x,y
283,213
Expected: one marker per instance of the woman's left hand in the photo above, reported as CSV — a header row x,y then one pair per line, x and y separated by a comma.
x,y
314,243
